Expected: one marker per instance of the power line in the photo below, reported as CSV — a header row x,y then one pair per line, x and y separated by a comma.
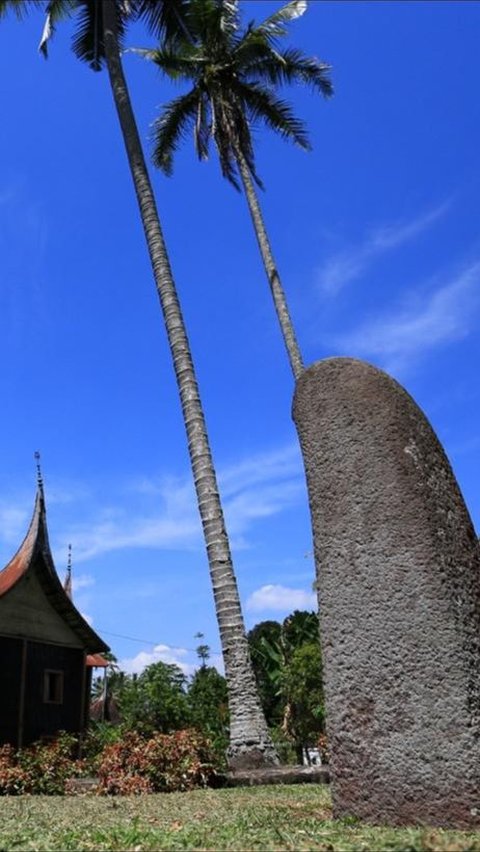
x,y
147,641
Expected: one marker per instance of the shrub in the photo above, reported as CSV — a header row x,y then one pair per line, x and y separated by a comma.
x,y
129,764
11,776
98,736
163,763
40,768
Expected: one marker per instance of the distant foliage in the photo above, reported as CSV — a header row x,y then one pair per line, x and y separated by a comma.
x,y
208,702
302,688
265,642
155,700
287,662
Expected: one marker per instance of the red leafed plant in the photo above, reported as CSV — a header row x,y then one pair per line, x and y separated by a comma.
x,y
132,765
40,768
163,763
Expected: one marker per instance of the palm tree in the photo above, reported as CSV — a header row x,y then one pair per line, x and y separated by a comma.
x,y
234,75
98,41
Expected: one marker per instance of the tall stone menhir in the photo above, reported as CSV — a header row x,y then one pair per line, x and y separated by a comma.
x,y
399,584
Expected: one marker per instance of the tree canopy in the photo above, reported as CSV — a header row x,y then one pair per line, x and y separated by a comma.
x,y
287,662
234,73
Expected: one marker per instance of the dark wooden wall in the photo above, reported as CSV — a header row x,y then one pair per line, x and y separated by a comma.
x,y
10,676
40,719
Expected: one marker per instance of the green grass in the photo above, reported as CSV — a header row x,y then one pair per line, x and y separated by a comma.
x,y
280,817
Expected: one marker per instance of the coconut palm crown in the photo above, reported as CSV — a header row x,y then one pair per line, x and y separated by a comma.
x,y
234,73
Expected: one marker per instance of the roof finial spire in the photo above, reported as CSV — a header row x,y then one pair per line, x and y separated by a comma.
x,y
39,472
68,579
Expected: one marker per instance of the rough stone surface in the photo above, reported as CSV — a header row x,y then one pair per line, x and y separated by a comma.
x,y
398,574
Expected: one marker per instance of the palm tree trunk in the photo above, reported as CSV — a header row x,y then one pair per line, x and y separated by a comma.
x,y
250,743
276,288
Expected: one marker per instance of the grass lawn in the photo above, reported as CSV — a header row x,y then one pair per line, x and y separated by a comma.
x,y
280,817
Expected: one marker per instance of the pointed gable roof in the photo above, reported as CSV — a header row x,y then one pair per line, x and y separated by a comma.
x,y
34,556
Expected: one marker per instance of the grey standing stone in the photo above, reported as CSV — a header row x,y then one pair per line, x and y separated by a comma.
x,y
398,575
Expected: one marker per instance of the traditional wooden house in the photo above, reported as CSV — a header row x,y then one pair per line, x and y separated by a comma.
x,y
47,649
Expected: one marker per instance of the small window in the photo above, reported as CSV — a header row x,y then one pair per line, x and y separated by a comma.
x,y
53,687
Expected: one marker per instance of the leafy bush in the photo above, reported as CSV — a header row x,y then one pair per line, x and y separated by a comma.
x,y
165,762
98,736
130,764
11,777
40,768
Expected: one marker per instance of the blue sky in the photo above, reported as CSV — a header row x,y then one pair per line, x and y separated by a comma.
x,y
377,240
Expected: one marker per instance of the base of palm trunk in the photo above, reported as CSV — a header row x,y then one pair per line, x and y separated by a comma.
x,y
251,756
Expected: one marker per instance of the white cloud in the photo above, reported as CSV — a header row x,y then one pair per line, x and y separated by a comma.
x,y
88,618
279,598
350,263
445,315
14,522
280,464
260,503
159,653
82,581
168,654
129,531
161,513
62,495
255,488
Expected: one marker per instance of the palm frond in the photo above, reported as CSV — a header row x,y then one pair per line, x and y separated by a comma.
x,y
172,62
244,145
229,16
275,25
262,105
166,19
287,67
88,43
233,140
56,10
18,7
202,129
226,154
203,18
260,37
169,130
